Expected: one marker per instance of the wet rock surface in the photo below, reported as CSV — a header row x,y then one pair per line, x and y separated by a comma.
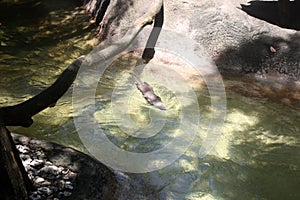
x,y
59,172
238,43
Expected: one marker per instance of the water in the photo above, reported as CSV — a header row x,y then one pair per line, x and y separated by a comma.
x,y
35,49
257,156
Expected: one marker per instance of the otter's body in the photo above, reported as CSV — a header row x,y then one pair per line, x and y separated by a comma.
x,y
148,93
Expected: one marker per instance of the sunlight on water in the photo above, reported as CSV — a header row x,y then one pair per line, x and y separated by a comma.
x,y
130,113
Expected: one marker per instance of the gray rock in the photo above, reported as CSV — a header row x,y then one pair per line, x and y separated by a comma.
x,y
27,162
65,171
49,170
69,187
35,196
46,183
36,162
67,194
24,156
45,190
61,184
22,149
39,180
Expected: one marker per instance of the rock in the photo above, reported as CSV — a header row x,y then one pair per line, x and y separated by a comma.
x,y
46,183
65,171
28,168
55,170
69,187
45,190
35,196
39,180
67,194
61,184
27,162
68,183
22,149
48,163
49,170
36,162
40,154
24,156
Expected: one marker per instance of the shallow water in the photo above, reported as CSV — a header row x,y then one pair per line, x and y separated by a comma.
x,y
257,156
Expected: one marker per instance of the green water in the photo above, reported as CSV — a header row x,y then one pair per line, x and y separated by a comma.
x,y
257,156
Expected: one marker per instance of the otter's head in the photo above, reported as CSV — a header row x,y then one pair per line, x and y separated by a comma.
x,y
160,105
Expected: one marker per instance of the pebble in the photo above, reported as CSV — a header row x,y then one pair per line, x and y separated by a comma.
x,y
27,162
24,156
46,183
48,163
67,194
35,196
36,162
49,170
68,182
46,190
61,184
50,181
39,180
70,187
22,149
65,171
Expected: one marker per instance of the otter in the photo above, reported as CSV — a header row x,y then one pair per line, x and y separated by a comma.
x,y
148,93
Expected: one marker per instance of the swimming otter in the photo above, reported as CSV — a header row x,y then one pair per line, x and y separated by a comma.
x,y
148,93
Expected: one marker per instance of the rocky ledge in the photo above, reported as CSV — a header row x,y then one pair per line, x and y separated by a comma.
x,y
58,172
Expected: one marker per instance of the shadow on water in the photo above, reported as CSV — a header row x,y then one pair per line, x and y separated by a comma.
x,y
35,47
41,24
33,11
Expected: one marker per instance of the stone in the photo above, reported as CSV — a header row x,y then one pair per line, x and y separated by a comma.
x,y
46,183
69,187
61,184
27,162
35,196
49,170
67,194
39,180
36,162
45,190
22,149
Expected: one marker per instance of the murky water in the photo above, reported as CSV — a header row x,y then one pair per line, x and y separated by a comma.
x,y
257,156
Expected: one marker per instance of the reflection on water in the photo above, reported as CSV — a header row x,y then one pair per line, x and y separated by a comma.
x,y
257,157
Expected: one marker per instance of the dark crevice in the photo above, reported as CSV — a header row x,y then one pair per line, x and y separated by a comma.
x,y
101,11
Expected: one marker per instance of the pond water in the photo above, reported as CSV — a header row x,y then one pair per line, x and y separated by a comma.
x,y
258,153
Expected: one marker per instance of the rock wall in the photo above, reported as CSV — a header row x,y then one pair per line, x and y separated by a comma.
x,y
237,42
